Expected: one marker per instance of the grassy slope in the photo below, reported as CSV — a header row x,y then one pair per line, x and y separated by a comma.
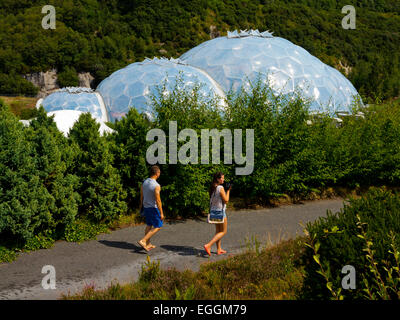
x,y
22,107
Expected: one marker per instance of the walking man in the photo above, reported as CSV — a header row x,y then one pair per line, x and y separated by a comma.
x,y
151,202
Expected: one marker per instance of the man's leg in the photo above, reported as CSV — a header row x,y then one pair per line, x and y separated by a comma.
x,y
146,231
149,234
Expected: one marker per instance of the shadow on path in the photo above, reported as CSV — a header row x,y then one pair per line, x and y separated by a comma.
x,y
123,245
186,251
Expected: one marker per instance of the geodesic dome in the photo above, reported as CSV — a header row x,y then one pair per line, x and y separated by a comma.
x,y
78,99
133,85
65,119
239,58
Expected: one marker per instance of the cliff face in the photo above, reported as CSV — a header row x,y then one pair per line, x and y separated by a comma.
x,y
85,79
47,81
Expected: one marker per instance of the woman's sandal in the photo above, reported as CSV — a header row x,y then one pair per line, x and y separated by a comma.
x,y
207,250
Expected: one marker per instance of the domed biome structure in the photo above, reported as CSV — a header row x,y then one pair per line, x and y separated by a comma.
x,y
77,99
133,85
238,58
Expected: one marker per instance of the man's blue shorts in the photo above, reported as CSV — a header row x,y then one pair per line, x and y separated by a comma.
x,y
153,217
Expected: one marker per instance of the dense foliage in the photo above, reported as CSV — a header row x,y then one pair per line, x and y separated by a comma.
x,y
102,36
344,237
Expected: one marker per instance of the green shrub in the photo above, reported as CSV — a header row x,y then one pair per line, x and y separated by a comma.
x,y
103,198
38,196
7,255
53,159
28,113
128,146
284,162
24,201
383,285
83,229
366,150
40,241
150,271
340,245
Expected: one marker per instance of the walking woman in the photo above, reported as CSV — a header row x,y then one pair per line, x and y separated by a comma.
x,y
218,200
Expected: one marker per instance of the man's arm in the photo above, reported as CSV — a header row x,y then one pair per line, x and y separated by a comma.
x,y
158,201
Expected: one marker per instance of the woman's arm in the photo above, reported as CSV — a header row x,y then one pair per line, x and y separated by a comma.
x,y
225,195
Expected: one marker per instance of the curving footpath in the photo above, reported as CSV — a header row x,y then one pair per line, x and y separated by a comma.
x,y
116,257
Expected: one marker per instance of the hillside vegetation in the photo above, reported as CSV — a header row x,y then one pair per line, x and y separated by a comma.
x,y
102,36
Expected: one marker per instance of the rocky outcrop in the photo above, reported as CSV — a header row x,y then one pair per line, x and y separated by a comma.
x,y
347,69
214,33
47,81
85,79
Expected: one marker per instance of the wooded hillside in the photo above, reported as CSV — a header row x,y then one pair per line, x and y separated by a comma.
x,y
100,36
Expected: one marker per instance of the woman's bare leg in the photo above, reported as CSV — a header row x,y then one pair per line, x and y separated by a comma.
x,y
223,229
220,232
219,228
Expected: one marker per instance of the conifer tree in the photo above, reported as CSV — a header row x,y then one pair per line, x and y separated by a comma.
x,y
53,158
24,202
129,151
100,185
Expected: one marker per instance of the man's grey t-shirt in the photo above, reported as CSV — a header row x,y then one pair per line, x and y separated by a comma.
x,y
149,197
